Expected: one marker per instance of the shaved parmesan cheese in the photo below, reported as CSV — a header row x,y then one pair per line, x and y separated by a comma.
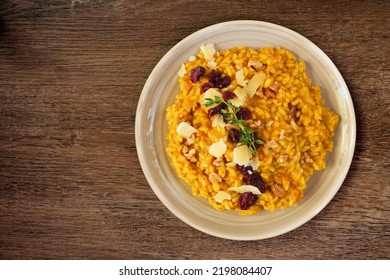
x,y
218,149
185,130
237,102
208,51
240,92
212,64
254,163
182,70
210,93
240,78
244,189
192,58
242,155
218,120
255,82
221,196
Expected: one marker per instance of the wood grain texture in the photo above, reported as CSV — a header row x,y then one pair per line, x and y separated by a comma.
x,y
71,73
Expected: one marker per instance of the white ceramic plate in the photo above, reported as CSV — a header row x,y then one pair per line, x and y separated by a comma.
x,y
151,129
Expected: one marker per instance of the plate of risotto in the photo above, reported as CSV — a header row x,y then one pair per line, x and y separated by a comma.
x,y
245,130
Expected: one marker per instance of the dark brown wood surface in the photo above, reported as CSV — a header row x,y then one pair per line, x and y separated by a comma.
x,y
71,73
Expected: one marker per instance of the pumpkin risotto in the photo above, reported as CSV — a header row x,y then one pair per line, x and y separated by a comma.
x,y
248,128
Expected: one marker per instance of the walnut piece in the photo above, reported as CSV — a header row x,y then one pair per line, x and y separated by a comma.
x,y
190,140
214,177
274,87
256,125
306,158
278,190
272,144
256,64
189,154
269,93
218,162
283,158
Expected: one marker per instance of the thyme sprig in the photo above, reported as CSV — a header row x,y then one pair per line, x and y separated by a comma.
x,y
230,115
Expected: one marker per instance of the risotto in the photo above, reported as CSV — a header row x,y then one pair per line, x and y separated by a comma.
x,y
248,128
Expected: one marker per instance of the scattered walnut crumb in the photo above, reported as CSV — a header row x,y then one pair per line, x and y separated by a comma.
x,y
256,125
274,87
190,140
256,64
278,190
295,113
269,93
306,158
189,154
271,144
218,162
214,177
283,158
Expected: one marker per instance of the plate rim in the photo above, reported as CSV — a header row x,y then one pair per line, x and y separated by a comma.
x,y
138,134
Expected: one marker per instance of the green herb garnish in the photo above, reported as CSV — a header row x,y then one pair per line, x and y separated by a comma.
x,y
230,115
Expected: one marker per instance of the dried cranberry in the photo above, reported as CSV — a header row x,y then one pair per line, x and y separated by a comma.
x,y
223,82
244,114
246,200
255,180
218,81
228,95
196,73
252,177
214,76
215,110
244,169
204,87
234,135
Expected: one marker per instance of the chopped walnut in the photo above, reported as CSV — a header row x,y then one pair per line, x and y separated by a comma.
x,y
278,190
283,158
190,140
269,93
189,154
306,158
256,125
274,87
256,64
271,144
295,113
214,177
218,162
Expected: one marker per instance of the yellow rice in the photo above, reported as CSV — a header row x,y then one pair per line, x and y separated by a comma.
x,y
296,142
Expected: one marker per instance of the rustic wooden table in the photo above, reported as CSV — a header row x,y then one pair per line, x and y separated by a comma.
x,y
71,73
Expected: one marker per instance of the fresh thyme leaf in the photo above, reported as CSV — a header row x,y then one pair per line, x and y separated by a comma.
x,y
217,99
259,141
209,102
223,111
247,136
